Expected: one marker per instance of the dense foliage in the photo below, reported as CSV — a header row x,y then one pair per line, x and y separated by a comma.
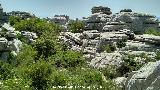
x,y
14,20
48,63
152,31
36,25
76,26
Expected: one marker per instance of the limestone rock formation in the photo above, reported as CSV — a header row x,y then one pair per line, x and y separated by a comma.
x,y
23,15
104,10
147,78
137,22
9,42
103,59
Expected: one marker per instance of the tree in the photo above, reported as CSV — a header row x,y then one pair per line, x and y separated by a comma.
x,y
47,45
26,56
14,20
69,59
36,25
109,48
76,26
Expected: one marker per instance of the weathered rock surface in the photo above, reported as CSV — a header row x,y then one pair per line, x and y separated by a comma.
x,y
9,42
103,59
147,78
120,81
148,38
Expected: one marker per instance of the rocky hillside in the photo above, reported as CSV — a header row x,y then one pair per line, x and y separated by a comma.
x,y
103,51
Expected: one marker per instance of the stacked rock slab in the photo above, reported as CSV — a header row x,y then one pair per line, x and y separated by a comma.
x,y
147,78
100,15
113,26
104,10
60,19
137,22
23,15
9,43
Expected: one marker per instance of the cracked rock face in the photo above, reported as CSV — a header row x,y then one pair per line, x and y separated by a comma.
x,y
147,78
103,59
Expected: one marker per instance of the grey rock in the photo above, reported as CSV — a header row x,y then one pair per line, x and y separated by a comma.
x,y
103,59
15,45
120,81
147,78
91,34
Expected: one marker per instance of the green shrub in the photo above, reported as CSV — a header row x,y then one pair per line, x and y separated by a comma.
x,y
15,84
158,55
152,31
6,71
129,65
69,59
26,56
90,77
37,25
76,26
39,74
109,48
109,72
14,20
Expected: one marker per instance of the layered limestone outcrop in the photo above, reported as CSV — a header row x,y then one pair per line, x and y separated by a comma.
x,y
103,20
147,78
10,42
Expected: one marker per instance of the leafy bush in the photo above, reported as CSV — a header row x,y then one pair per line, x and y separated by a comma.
x,y
109,48
76,26
38,73
15,84
6,71
36,25
130,64
14,20
152,31
109,72
69,59
158,55
47,45
26,56
91,77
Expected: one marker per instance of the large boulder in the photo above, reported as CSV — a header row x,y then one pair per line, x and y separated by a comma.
x,y
91,34
8,27
120,81
147,78
103,59
30,36
14,45
111,37
76,37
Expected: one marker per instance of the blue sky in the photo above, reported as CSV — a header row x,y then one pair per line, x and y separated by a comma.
x,y
78,8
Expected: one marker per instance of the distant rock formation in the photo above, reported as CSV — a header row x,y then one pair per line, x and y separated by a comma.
x,y
101,9
103,20
23,15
